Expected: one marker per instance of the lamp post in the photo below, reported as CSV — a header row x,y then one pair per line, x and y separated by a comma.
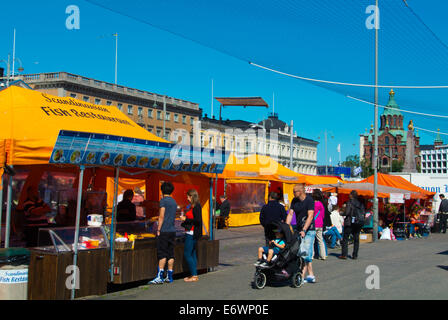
x,y
326,155
9,69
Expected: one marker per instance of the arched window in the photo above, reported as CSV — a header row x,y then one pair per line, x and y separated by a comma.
x,y
386,140
385,162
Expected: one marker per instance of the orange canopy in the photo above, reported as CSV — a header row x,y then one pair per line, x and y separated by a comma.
x,y
258,167
30,121
398,182
310,180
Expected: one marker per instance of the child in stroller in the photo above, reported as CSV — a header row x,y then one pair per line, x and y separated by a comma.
x,y
273,249
282,260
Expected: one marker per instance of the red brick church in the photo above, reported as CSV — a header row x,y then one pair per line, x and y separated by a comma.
x,y
391,139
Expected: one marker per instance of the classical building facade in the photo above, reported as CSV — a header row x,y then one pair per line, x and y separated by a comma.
x,y
143,107
392,138
270,137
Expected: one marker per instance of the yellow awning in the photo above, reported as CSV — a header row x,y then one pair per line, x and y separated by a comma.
x,y
258,167
31,121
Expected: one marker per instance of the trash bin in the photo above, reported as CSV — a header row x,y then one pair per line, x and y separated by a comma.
x,y
14,264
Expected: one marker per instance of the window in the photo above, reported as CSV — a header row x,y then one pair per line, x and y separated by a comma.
x,y
97,101
85,98
184,119
73,95
109,103
120,106
167,116
159,132
176,117
130,109
159,115
149,113
386,140
140,111
151,129
191,121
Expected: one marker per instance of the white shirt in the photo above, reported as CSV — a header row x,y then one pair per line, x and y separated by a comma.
x,y
337,220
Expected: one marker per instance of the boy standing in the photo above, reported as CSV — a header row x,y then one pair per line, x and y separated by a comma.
x,y
166,234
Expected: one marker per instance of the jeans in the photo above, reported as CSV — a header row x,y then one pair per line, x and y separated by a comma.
x,y
355,230
443,217
190,254
309,242
334,235
321,243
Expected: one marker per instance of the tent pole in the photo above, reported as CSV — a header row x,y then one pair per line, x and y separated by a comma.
x,y
8,211
214,203
1,207
76,240
112,224
211,233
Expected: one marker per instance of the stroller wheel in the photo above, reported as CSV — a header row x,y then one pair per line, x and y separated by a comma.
x,y
297,280
260,280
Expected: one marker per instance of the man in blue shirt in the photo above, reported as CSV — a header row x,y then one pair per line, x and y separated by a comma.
x,y
166,234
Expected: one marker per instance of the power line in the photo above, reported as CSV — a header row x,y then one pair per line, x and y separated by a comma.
x,y
348,83
401,110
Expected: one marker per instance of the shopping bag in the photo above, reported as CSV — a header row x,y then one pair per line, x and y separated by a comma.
x,y
304,247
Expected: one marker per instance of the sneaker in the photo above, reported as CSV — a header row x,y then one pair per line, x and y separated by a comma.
x,y
264,265
169,277
310,279
156,280
258,263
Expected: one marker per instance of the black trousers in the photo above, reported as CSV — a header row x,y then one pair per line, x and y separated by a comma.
x,y
355,230
443,217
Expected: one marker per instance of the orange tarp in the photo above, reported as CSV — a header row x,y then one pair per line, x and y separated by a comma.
x,y
257,167
31,121
310,180
398,182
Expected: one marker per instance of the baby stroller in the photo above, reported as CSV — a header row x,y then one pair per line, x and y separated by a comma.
x,y
287,265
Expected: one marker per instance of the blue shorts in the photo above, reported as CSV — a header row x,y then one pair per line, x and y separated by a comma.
x,y
276,250
309,243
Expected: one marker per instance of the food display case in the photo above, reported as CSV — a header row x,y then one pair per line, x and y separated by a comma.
x,y
49,262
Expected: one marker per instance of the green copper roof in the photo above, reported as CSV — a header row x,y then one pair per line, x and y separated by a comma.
x,y
438,138
393,104
395,133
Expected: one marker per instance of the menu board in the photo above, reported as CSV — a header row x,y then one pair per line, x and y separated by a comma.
x,y
78,148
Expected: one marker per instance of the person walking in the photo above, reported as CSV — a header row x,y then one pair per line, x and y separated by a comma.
x,y
303,207
352,225
443,212
319,213
224,211
270,212
192,222
166,234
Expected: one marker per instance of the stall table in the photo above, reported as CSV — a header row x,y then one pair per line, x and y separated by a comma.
x,y
141,262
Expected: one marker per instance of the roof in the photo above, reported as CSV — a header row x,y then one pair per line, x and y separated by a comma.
x,y
392,104
31,122
273,122
243,101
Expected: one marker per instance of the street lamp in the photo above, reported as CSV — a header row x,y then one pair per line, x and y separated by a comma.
x,y
326,156
8,68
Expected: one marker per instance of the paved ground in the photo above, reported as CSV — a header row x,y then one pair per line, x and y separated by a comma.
x,y
411,269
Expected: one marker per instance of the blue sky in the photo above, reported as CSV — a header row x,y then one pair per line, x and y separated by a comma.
x,y
157,61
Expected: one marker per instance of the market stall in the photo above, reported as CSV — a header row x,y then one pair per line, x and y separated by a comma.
x,y
68,146
247,183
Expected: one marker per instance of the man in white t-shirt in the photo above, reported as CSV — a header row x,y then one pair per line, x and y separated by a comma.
x,y
332,202
335,231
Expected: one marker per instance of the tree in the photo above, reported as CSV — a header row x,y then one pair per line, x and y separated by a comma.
x,y
351,161
366,167
397,165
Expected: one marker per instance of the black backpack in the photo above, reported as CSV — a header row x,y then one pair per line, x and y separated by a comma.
x,y
358,213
